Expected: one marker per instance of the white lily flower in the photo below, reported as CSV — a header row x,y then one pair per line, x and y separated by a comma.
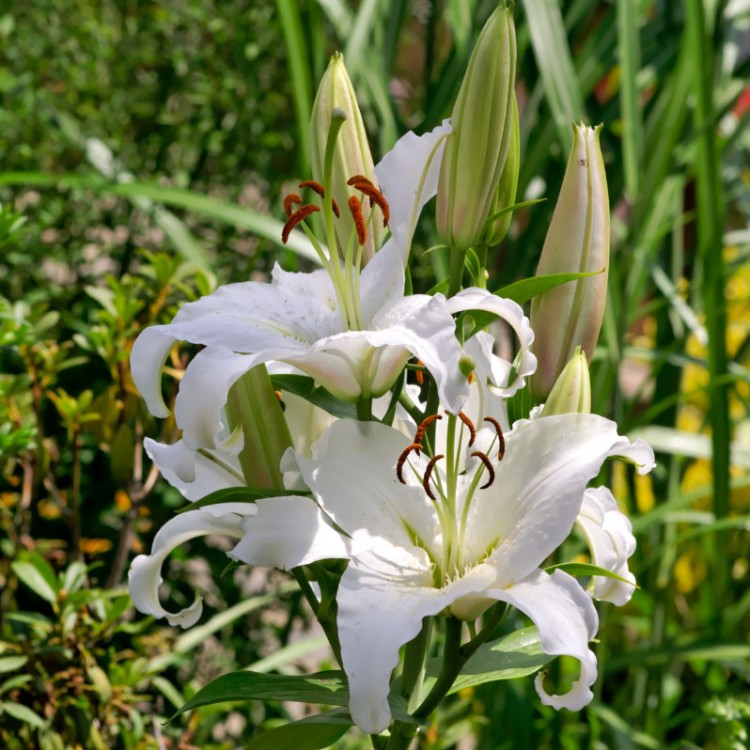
x,y
482,539
609,534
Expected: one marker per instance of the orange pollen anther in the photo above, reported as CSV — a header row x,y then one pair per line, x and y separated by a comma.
x,y
299,215
500,438
365,186
416,447
419,374
289,202
426,422
320,190
470,425
359,220
487,465
428,474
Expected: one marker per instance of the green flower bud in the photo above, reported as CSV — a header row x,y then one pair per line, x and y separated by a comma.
x,y
572,390
570,315
352,154
476,150
505,193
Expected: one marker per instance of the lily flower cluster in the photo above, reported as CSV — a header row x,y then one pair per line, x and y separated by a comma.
x,y
444,513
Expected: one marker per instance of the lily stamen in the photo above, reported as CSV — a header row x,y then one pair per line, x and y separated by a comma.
x,y
365,186
428,474
487,465
416,447
355,207
320,190
289,202
298,216
500,438
470,425
426,422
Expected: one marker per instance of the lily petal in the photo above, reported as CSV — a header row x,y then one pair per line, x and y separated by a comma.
x,y
288,532
609,534
194,474
353,476
408,176
512,314
383,597
145,578
538,490
566,620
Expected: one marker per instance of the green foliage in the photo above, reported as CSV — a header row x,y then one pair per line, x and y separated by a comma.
x,y
145,149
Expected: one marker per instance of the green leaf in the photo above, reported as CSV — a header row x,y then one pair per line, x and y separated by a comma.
x,y
516,655
304,386
37,574
526,289
11,663
325,688
311,733
586,569
514,207
238,495
17,711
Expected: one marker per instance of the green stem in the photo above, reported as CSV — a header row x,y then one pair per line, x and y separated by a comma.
x,y
413,673
329,627
456,271
364,410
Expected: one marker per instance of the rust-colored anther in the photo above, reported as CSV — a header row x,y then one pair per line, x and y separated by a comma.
x,y
289,202
487,465
359,220
365,186
426,422
428,474
500,438
299,215
320,190
419,374
470,425
416,447
472,377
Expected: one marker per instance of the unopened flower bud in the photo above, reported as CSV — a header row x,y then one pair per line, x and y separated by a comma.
x,y
351,156
571,393
570,315
505,192
476,151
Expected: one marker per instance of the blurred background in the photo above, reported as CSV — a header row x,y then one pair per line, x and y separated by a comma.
x,y
145,149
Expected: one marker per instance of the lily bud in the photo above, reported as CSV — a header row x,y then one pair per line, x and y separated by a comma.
x,y
476,151
571,393
352,154
570,315
505,193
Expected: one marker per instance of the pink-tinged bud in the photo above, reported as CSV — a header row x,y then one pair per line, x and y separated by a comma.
x,y
570,315
571,393
352,156
482,119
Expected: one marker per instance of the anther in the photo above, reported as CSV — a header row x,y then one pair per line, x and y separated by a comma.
x,y
365,186
500,438
470,425
419,374
359,220
487,465
426,422
428,474
289,202
299,215
320,190
416,447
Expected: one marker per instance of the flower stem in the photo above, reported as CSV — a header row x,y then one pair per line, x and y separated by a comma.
x,y
456,271
364,410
